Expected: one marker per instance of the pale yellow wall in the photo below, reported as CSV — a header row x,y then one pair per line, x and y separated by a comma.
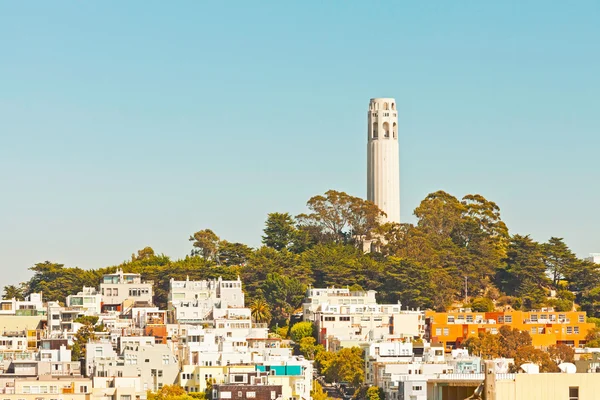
x,y
77,396
549,387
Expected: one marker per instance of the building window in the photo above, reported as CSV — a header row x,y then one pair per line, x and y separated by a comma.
x,y
574,393
569,330
581,319
576,330
330,319
82,389
238,378
446,332
469,318
508,319
417,388
250,395
344,318
450,319
534,318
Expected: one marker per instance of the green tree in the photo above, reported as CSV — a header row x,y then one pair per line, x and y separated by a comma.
x,y
206,244
482,304
233,253
525,269
309,348
12,292
284,294
375,393
484,345
341,218
300,330
81,339
561,353
280,231
143,254
559,259
411,283
347,366
317,393
170,392
260,311
511,340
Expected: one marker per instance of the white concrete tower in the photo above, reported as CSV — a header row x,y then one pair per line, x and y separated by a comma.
x,y
383,164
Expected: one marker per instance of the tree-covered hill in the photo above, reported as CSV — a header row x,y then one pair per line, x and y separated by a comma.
x,y
423,265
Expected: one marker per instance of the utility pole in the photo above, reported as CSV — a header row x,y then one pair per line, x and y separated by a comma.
x,y
489,383
466,291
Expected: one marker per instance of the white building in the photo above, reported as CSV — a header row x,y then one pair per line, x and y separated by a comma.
x,y
383,165
155,364
32,305
334,296
61,320
594,257
120,287
89,301
193,301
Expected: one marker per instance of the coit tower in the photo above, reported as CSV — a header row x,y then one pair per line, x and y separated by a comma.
x,y
383,166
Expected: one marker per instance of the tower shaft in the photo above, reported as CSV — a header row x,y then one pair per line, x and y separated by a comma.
x,y
383,164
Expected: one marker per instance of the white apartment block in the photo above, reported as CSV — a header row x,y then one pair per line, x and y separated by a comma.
x,y
193,301
32,305
121,287
88,301
352,325
155,364
61,320
315,297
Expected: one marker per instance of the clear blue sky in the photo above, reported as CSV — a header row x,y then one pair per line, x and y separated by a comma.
x,y
132,124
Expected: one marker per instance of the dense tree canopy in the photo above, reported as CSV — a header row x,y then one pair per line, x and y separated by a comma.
x,y
422,265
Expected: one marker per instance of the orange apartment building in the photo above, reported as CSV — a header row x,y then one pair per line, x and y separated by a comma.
x,y
546,327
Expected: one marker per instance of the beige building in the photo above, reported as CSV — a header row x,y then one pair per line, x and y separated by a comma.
x,y
45,388
522,386
556,386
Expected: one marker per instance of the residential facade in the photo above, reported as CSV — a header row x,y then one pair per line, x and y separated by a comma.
x,y
546,327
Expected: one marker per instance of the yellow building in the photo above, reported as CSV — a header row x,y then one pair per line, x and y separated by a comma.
x,y
546,327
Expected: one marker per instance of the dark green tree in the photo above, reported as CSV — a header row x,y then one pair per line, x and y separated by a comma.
x,y
206,244
233,253
12,292
284,294
559,259
280,231
525,269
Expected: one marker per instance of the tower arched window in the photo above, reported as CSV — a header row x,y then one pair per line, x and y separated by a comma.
x,y
393,106
386,130
385,106
375,133
395,130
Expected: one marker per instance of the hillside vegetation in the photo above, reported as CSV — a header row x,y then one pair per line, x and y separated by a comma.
x,y
423,265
